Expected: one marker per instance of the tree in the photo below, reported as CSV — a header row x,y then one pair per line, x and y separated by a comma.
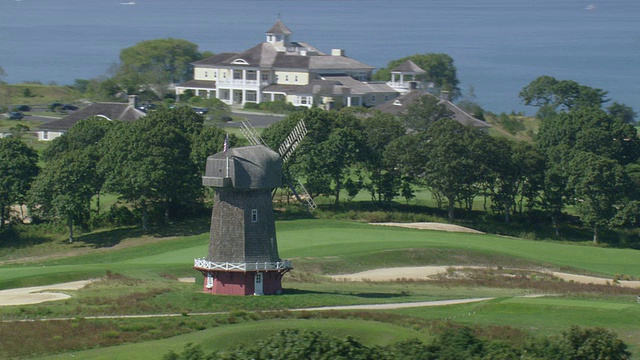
x,y
156,63
439,70
18,168
379,130
454,166
425,111
552,95
504,175
333,144
599,186
65,187
3,74
590,130
210,141
148,163
623,113
593,344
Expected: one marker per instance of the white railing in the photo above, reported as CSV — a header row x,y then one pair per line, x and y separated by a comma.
x,y
252,266
238,82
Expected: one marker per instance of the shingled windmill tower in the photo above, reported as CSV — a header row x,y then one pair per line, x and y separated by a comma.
x,y
243,251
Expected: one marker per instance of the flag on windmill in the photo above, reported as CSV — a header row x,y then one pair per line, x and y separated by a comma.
x,y
226,143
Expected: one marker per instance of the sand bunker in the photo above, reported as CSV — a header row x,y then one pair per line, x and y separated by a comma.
x,y
39,294
424,273
432,226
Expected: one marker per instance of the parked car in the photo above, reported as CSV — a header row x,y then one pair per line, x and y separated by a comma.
x,y
23,108
200,111
69,107
147,107
15,115
54,106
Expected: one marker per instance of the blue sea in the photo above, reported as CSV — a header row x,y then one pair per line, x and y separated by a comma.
x,y
498,46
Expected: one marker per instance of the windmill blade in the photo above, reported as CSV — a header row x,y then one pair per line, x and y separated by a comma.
x,y
251,134
305,199
292,141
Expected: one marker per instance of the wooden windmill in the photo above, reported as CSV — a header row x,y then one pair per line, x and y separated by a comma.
x,y
243,251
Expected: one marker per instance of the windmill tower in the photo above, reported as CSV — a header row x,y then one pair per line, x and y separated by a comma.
x,y
243,251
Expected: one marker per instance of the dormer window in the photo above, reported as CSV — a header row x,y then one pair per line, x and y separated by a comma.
x,y
397,103
240,62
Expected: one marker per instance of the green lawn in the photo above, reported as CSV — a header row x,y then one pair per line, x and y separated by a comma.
x,y
327,246
349,246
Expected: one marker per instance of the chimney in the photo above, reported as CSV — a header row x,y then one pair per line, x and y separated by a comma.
x,y
337,52
444,95
133,101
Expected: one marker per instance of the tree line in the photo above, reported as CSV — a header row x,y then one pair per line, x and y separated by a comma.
x,y
451,344
583,156
153,164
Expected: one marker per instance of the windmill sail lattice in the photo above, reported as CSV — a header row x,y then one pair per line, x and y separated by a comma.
x,y
251,134
292,141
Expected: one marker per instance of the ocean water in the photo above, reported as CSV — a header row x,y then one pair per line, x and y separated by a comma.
x,y
498,46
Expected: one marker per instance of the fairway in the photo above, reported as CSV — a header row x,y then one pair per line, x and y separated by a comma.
x,y
330,241
141,278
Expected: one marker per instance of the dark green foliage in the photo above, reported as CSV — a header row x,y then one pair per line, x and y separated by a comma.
x,y
277,107
452,343
148,162
156,63
623,113
64,188
18,168
423,112
511,124
552,95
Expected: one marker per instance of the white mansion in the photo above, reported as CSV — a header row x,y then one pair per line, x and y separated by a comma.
x,y
297,72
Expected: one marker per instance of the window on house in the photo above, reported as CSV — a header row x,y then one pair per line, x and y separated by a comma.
x,y
254,215
45,135
296,78
265,77
237,75
215,74
206,74
373,98
286,78
386,98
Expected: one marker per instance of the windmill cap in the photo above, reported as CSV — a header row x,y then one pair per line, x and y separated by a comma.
x,y
248,167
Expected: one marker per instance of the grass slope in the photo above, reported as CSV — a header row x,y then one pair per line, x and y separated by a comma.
x,y
338,247
225,337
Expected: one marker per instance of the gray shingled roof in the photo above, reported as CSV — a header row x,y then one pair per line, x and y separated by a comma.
x,y
111,111
400,104
409,67
329,62
279,28
199,84
250,167
215,59
359,87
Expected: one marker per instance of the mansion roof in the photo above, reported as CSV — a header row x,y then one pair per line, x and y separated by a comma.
x,y
265,55
111,111
400,104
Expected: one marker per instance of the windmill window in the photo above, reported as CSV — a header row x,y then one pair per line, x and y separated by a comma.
x,y
254,215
